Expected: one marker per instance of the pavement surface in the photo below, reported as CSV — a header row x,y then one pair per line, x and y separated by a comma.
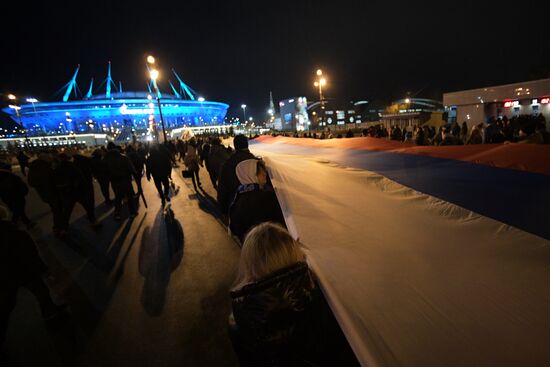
x,y
148,291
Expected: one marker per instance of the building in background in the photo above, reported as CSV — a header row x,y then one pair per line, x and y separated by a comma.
x,y
479,105
113,112
409,112
293,115
338,113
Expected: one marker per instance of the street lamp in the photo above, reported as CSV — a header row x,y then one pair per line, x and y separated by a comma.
x,y
320,83
33,101
154,74
243,106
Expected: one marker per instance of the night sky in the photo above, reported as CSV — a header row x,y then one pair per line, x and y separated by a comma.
x,y
236,52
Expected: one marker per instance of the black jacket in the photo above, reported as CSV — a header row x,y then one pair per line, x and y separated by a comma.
x,y
254,207
119,167
159,163
228,182
41,177
283,320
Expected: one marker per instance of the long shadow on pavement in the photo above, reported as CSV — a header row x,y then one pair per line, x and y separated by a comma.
x,y
160,254
84,263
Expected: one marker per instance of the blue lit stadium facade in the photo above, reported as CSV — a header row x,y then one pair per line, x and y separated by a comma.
x,y
112,112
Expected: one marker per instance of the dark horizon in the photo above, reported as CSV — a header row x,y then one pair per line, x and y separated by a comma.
x,y
236,52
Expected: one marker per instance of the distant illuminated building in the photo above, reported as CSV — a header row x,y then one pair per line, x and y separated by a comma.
x,y
294,116
112,111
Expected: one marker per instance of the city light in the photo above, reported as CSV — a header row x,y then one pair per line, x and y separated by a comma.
x,y
12,97
200,99
407,100
150,59
323,81
154,74
319,72
32,100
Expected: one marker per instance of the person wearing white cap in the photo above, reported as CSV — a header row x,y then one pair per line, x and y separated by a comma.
x,y
254,202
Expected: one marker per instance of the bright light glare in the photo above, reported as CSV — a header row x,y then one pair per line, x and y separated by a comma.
x,y
323,81
407,100
11,97
154,74
316,84
200,99
32,100
243,106
319,72
17,108
149,97
150,59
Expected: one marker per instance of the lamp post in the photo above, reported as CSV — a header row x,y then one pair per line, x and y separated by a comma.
x,y
154,74
243,106
320,83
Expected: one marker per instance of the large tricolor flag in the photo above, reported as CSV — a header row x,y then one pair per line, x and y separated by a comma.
x,y
428,256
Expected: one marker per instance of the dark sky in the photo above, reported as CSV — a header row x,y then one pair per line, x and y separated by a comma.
x,y
236,52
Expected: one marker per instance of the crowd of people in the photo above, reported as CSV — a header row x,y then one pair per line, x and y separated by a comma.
x,y
279,316
518,129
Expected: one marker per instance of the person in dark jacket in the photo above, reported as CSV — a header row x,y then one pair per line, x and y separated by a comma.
x,y
217,156
138,161
254,202
159,165
279,316
99,170
23,160
192,163
42,178
228,181
74,187
21,266
12,192
121,171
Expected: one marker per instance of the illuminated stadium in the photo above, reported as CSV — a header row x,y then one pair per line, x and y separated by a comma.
x,y
117,113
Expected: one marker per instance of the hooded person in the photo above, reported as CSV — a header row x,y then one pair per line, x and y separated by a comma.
x,y
254,202
228,181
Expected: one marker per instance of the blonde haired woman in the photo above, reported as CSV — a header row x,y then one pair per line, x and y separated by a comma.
x,y
280,317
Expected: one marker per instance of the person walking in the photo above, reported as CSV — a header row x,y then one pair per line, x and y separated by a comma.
x,y
23,160
12,192
99,170
228,181
279,315
73,188
191,161
139,163
159,166
217,156
121,171
254,202
42,178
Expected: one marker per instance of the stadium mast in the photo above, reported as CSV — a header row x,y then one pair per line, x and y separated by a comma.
x,y
185,87
89,94
70,85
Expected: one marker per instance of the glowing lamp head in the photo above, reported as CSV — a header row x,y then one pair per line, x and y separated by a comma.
x,y
154,74
200,99
243,106
32,100
319,72
316,84
11,97
150,59
407,100
323,81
